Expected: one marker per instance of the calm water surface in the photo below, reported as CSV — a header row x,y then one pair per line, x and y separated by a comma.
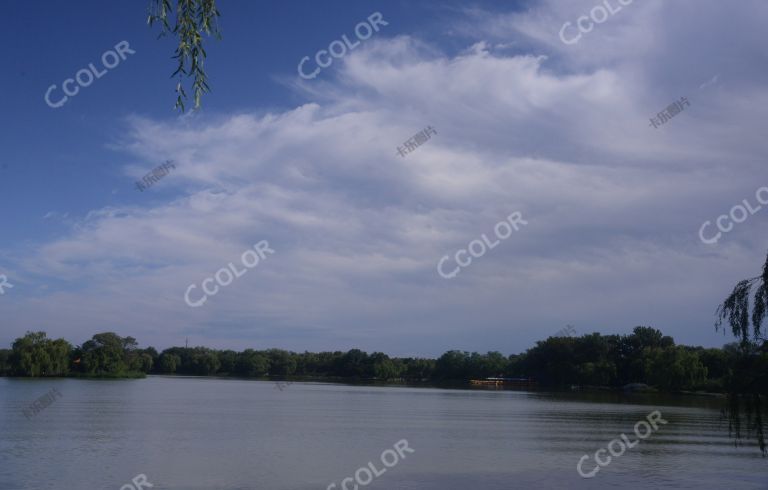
x,y
214,434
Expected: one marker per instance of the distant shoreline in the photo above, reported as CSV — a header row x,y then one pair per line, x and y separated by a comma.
x,y
645,360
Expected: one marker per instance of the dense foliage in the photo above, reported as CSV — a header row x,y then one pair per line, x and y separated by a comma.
x,y
190,20
644,356
747,392
105,355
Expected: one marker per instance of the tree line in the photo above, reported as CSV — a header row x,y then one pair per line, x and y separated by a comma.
x,y
739,369
644,356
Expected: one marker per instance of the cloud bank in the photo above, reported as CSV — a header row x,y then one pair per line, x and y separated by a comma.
x,y
559,133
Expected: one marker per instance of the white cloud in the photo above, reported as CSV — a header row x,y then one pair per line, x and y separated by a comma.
x,y
559,133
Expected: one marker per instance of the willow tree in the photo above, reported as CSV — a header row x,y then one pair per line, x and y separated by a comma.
x,y
35,355
745,311
188,22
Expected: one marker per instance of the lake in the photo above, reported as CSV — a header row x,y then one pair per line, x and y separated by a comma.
x,y
228,434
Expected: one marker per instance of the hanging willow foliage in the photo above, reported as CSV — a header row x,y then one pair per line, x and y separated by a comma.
x,y
748,384
192,19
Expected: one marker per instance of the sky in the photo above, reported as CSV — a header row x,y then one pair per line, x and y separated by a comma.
x,y
525,116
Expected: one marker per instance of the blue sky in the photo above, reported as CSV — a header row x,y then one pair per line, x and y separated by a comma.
x,y
524,123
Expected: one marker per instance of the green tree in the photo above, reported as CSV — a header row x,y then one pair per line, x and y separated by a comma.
x,y
486,365
150,360
594,361
169,362
281,362
674,368
553,361
307,363
419,369
108,354
5,362
385,368
204,361
515,366
643,337
628,353
228,360
36,355
143,363
748,385
354,364
601,373
188,22
453,365
252,363
719,364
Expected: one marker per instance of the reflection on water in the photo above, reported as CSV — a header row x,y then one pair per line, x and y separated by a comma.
x,y
216,434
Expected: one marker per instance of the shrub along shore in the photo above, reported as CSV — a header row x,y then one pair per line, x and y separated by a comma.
x,y
645,356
